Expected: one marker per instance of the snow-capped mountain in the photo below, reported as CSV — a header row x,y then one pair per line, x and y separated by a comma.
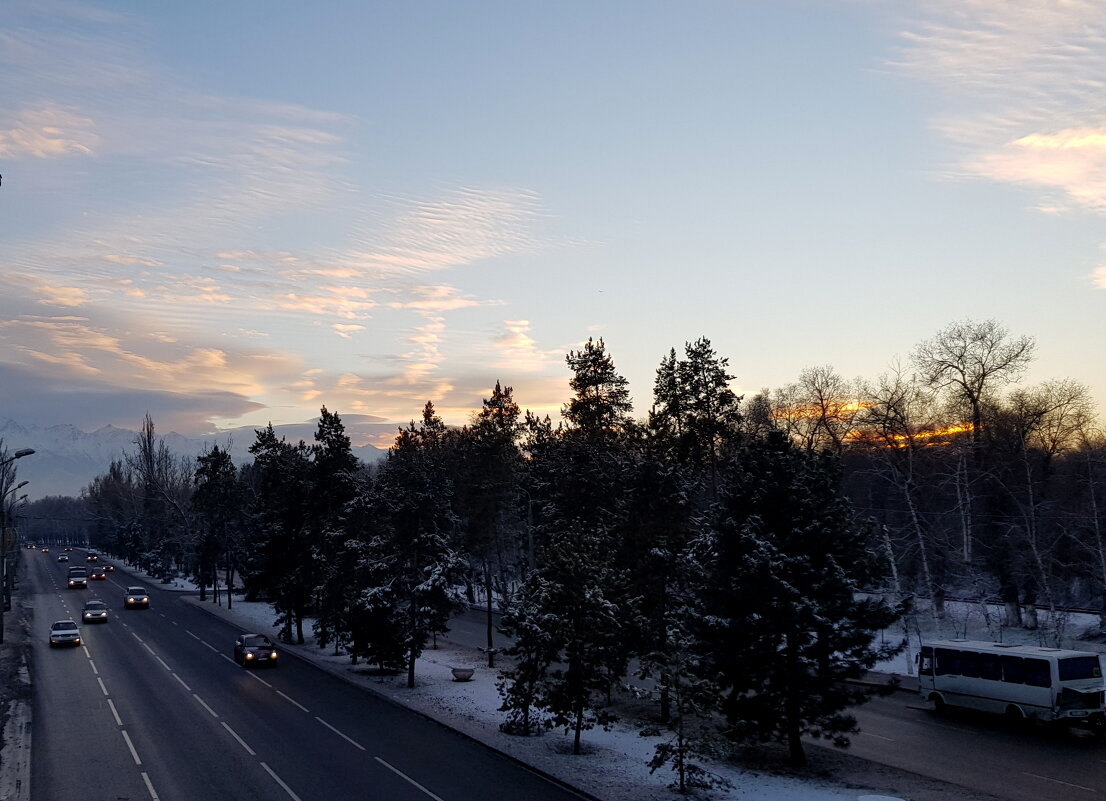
x,y
66,459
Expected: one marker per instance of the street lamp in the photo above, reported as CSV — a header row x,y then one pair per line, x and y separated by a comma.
x,y
19,454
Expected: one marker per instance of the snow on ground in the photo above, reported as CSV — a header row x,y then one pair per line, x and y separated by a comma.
x,y
614,764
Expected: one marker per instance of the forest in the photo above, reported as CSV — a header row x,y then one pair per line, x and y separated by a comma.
x,y
738,554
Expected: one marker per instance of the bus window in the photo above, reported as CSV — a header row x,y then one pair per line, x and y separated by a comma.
x,y
969,664
948,662
1079,667
925,662
990,667
1037,673
1013,669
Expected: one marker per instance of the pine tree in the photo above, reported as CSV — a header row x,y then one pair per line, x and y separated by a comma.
x,y
784,625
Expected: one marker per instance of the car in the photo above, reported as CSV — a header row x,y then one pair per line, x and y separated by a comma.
x,y
63,558
78,578
92,557
255,649
136,598
65,632
46,550
95,612
68,548
109,567
98,574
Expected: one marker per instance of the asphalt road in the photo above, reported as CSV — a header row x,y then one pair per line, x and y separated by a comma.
x,y
982,752
152,706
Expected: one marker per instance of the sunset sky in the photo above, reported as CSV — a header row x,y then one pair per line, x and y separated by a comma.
x,y
229,213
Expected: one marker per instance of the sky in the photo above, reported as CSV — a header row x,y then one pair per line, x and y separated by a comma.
x,y
226,214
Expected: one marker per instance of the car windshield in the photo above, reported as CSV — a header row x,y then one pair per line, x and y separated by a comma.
x,y
136,591
94,605
256,640
63,624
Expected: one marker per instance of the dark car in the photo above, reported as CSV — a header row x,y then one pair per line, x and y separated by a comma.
x,y
255,649
109,567
98,574
63,558
92,557
136,598
95,612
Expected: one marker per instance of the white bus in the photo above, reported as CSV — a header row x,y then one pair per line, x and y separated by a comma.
x,y
1022,682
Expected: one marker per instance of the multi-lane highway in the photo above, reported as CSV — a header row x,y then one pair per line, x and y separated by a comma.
x,y
152,706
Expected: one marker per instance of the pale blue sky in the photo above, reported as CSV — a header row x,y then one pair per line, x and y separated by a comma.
x,y
230,213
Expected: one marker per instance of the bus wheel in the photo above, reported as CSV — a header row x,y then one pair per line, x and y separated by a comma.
x,y
939,706
1015,716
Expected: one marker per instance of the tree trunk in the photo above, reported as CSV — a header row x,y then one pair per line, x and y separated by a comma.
x,y
579,728
488,591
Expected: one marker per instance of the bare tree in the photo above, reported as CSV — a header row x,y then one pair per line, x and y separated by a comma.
x,y
970,360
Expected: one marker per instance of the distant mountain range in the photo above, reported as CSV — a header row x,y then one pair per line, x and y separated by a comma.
x,y
66,459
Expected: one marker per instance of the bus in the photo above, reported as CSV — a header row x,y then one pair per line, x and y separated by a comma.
x,y
1023,682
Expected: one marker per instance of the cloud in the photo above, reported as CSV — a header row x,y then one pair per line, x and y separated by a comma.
x,y
1072,160
48,294
435,299
48,131
346,331
1024,85
517,350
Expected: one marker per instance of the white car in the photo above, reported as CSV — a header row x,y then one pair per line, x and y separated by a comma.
x,y
65,632
95,612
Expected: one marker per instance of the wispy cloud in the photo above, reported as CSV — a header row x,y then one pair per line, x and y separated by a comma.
x,y
518,351
47,131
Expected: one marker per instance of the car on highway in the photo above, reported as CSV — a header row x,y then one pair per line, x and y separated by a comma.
x,y
98,574
92,557
77,579
46,550
136,598
109,567
255,649
68,548
64,632
95,612
63,558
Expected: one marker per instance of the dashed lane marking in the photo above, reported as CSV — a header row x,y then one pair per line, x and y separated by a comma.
x,y
163,663
92,665
241,742
150,787
403,775
185,686
1058,781
203,703
115,713
258,678
130,745
344,737
877,736
291,701
278,780
102,687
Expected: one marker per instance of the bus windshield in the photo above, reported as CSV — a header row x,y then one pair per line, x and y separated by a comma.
x,y
1080,667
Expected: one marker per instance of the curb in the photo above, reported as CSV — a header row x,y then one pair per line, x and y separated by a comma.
x,y
341,674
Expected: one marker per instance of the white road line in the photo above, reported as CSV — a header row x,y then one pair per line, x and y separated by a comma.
x,y
193,636
241,742
1057,781
115,713
178,678
136,637
163,663
228,659
209,645
277,779
148,648
150,787
877,736
130,745
92,665
400,773
175,623
86,653
214,714
289,700
102,687
258,678
347,739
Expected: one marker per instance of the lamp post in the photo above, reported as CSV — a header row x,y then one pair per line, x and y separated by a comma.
x,y
5,586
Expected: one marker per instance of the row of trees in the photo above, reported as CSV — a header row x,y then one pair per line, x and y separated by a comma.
x,y
711,546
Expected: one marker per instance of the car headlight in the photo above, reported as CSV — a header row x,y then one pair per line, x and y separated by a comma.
x,y
273,655
249,656
78,641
